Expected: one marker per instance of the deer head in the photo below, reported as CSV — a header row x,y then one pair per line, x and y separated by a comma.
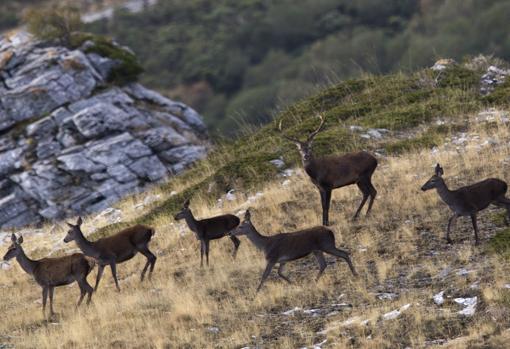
x,y
305,147
74,230
245,227
435,179
15,248
183,212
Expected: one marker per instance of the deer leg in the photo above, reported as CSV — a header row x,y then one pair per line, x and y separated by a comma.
x,y
207,251
451,222
325,200
202,248
344,255
113,267
44,298
236,242
100,269
366,193
151,261
373,194
475,227
266,273
82,294
51,300
322,263
505,203
280,273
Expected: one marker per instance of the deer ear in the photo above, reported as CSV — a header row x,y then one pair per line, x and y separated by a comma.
x,y
247,215
70,225
79,222
186,204
13,238
20,240
439,170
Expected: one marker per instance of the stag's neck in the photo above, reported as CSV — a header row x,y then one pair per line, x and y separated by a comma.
x,y
444,193
191,222
86,246
260,241
27,264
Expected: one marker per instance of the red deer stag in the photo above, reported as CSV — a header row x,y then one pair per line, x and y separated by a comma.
x,y
336,171
468,200
209,229
283,248
115,249
53,272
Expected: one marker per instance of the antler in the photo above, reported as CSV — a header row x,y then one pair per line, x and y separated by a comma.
x,y
283,135
319,129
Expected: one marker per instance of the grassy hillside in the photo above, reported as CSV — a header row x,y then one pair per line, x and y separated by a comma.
x,y
399,250
235,60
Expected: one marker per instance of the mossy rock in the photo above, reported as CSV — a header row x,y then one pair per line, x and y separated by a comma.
x,y
128,69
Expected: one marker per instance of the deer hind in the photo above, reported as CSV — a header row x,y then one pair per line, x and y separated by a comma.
x,y
115,249
209,229
53,272
283,248
468,200
336,171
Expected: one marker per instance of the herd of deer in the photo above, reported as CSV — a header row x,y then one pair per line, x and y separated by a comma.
x,y
326,173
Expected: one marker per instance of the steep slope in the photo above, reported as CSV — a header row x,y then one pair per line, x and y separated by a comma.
x,y
77,133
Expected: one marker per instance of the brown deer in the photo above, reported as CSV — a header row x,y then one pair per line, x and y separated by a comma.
x,y
53,272
283,248
209,229
468,200
336,171
115,249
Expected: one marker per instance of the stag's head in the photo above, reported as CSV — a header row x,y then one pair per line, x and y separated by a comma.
x,y
435,179
183,212
74,230
245,227
15,248
305,147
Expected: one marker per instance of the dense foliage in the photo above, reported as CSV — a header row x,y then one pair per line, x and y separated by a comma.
x,y
236,60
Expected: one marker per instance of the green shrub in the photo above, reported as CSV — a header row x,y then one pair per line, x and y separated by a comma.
x,y
53,22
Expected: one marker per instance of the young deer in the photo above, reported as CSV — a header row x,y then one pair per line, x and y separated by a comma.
x,y
336,171
283,248
115,249
209,229
53,272
468,200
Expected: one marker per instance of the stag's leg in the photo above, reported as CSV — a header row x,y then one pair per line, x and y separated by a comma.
x,y
44,298
207,251
113,267
236,242
322,263
280,273
100,269
344,255
151,260
266,273
325,200
51,300
362,185
451,223
202,249
373,194
475,227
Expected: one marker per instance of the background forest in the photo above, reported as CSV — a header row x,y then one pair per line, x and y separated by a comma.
x,y
235,61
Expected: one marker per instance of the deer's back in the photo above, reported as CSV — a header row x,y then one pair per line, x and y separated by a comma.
x,y
289,246
480,195
123,244
216,227
62,270
339,170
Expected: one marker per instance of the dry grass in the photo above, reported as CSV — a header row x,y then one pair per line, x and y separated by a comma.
x,y
399,249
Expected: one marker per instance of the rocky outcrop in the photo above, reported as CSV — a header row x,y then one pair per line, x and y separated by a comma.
x,y
72,143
